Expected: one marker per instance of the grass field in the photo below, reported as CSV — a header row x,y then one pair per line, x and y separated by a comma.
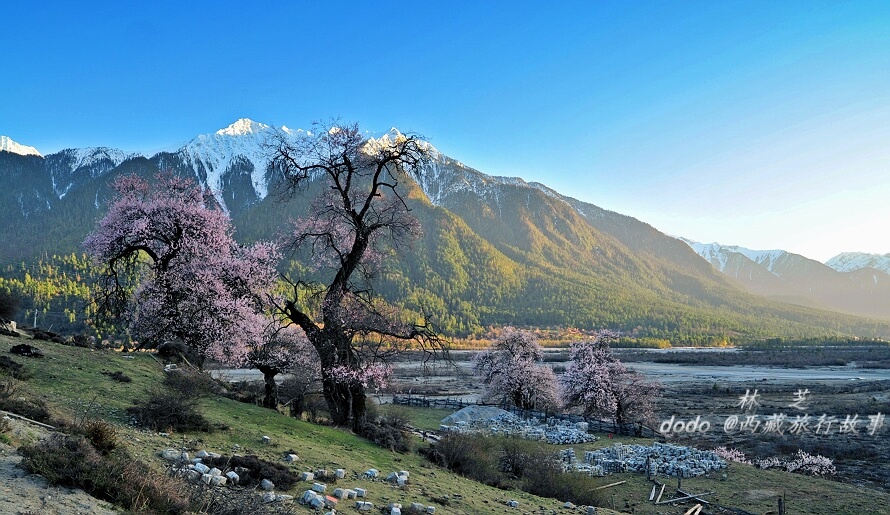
x,y
71,382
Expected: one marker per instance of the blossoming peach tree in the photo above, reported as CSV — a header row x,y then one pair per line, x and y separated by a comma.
x,y
173,271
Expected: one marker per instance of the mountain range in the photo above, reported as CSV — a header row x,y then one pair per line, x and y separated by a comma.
x,y
494,250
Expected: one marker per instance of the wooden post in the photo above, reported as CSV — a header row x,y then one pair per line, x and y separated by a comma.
x,y
781,506
679,479
648,469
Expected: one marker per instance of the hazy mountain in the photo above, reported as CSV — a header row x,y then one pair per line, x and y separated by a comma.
x,y
853,285
494,250
850,261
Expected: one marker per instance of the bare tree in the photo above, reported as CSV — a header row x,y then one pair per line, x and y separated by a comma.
x,y
353,223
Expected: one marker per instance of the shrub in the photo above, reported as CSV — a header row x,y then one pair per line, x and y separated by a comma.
x,y
178,352
190,383
13,369
9,306
118,376
101,434
386,436
165,409
73,462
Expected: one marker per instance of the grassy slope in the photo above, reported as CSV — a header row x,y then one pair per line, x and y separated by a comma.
x,y
69,379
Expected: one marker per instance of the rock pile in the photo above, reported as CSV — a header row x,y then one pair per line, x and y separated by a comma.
x,y
497,421
663,459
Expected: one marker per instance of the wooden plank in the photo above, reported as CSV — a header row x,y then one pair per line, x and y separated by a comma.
x,y
652,495
686,498
610,485
26,419
694,498
659,494
694,510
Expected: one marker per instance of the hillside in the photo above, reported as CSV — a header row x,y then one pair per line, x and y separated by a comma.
x,y
494,250
76,383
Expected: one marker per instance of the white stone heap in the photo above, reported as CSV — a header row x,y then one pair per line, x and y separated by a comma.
x,y
663,459
489,420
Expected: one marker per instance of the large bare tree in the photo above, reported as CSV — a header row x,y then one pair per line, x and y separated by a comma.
x,y
360,215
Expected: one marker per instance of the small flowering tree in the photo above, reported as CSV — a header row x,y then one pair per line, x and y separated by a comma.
x,y
360,216
284,350
173,271
512,372
598,384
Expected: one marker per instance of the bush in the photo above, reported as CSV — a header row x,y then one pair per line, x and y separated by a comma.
x,y
512,463
178,352
118,376
190,383
73,462
386,436
101,434
165,409
13,369
9,306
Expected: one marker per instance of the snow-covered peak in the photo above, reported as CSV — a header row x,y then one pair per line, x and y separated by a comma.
x,y
394,135
245,140
7,144
69,166
718,254
851,261
243,126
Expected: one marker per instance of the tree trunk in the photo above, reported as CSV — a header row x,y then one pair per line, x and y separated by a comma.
x,y
359,408
270,400
339,400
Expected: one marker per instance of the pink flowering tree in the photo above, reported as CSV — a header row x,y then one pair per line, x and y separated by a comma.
x,y
173,271
513,373
598,384
360,217
285,350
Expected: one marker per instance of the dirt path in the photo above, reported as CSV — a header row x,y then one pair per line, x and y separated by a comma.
x,y
22,493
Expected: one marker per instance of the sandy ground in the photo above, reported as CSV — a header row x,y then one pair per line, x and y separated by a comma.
x,y
22,493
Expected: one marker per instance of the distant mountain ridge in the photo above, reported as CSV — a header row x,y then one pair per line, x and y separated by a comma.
x,y
850,261
495,250
854,284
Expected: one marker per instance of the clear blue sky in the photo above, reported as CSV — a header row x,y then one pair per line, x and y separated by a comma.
x,y
761,124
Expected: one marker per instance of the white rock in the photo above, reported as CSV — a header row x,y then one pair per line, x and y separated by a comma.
x,y
290,458
233,477
267,485
319,487
202,454
340,473
361,492
307,476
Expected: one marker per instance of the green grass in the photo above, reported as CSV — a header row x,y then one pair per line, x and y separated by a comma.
x,y
70,381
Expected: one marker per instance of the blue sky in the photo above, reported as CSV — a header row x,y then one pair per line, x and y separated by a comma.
x,y
761,124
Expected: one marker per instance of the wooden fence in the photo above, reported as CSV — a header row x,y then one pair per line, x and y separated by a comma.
x,y
594,425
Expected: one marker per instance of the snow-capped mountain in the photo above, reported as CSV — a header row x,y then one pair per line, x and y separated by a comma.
x,y
242,146
795,278
524,240
7,144
73,166
850,261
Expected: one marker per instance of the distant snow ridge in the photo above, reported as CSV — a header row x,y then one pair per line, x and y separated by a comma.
x,y
97,161
852,261
718,254
7,144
